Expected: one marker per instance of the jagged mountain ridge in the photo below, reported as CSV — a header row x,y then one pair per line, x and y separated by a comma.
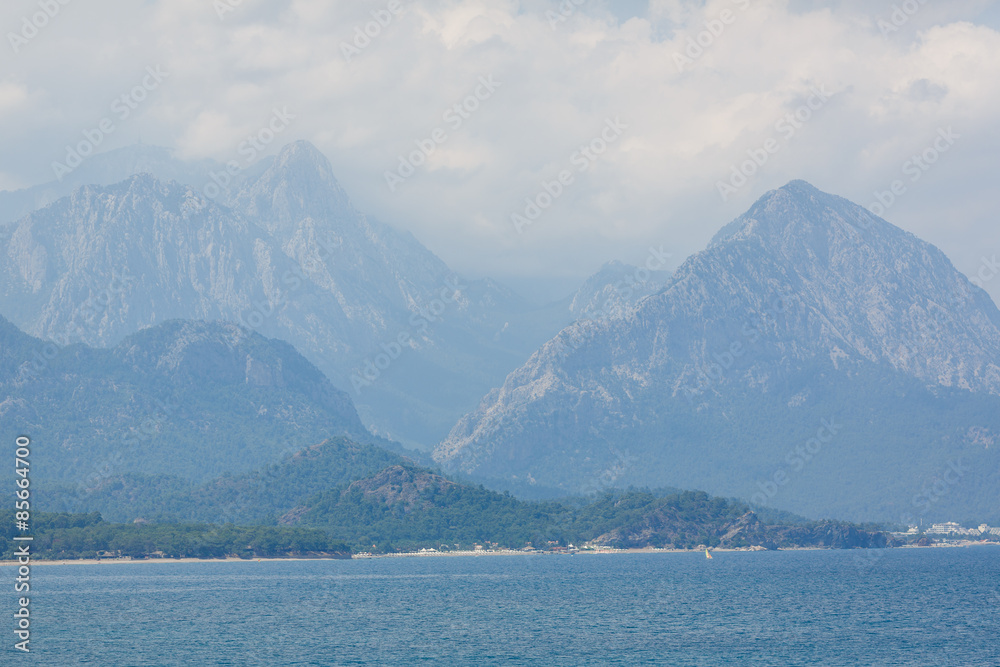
x,y
283,251
616,287
292,259
109,261
807,307
108,168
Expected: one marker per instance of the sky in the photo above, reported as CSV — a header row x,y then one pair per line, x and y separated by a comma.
x,y
534,141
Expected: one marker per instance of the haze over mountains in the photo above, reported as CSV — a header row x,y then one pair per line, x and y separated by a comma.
x,y
107,169
814,357
225,418
383,317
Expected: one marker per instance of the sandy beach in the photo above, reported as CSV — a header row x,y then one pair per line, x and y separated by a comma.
x,y
363,556
459,554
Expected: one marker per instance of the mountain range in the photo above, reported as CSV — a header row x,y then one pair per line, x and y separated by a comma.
x,y
285,253
813,358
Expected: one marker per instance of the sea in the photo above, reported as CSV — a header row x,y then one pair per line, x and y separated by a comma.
x,y
937,606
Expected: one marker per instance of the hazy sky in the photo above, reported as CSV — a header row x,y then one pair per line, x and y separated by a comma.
x,y
885,81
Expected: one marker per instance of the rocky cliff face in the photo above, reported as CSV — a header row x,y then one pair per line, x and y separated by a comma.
x,y
290,258
807,310
106,262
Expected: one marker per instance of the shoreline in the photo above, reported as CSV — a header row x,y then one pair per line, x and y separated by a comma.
x,y
465,554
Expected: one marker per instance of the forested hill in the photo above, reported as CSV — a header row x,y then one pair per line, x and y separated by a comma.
x,y
191,399
408,507
371,499
255,497
73,536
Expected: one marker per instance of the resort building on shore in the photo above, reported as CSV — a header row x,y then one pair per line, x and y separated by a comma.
x,y
953,528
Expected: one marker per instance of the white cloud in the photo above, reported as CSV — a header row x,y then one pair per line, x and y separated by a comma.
x,y
12,95
658,184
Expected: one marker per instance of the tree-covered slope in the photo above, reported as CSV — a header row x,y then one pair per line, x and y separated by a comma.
x,y
407,507
72,536
192,400
256,497
373,499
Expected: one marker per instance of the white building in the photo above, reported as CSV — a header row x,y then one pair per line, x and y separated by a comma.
x,y
947,528
952,528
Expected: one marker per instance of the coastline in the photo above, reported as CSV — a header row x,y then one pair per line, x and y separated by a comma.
x,y
137,561
463,554
405,554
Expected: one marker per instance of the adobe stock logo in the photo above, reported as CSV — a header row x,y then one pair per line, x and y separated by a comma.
x,y
787,126
582,159
122,106
989,268
223,7
254,145
577,336
796,460
900,16
566,9
940,486
714,371
31,26
714,28
455,116
363,36
915,167
419,322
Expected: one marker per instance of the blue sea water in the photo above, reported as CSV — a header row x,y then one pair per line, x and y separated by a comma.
x,y
893,607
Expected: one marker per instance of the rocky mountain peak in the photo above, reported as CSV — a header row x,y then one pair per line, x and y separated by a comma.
x,y
298,184
799,214
871,288
805,307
